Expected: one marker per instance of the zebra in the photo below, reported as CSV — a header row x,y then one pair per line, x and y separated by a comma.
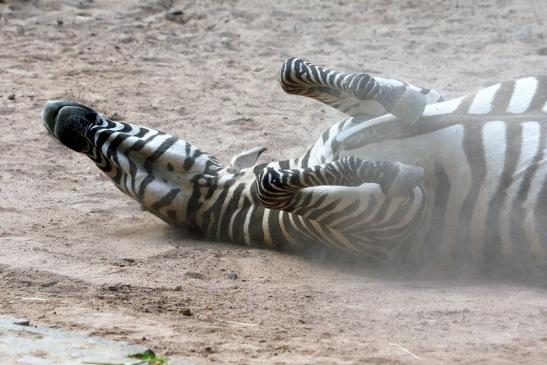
x,y
407,177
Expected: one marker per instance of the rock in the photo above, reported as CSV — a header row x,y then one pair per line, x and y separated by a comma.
x,y
186,312
22,322
49,284
11,97
232,275
177,16
117,287
115,116
178,288
43,345
542,51
193,275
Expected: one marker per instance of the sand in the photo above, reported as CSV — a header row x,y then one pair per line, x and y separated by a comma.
x,y
76,253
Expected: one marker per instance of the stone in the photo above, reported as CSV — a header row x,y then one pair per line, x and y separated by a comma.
x,y
20,344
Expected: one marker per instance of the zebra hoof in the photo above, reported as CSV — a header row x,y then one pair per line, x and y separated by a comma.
x,y
410,106
407,178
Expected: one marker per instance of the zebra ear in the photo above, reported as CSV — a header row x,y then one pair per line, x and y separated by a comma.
x,y
246,158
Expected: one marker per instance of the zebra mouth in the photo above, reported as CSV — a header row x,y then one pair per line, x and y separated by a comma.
x,y
67,121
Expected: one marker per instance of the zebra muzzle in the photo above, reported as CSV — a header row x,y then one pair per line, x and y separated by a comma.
x,y
67,121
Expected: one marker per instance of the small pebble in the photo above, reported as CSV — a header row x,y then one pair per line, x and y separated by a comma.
x,y
178,288
193,275
11,97
115,116
176,16
186,312
232,275
49,283
60,22
23,322
542,51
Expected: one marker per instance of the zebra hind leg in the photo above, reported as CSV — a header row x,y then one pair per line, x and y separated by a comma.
x,y
355,94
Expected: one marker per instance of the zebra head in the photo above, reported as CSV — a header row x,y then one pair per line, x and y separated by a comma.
x,y
158,170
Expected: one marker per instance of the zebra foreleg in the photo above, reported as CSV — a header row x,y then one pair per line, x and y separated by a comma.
x,y
276,188
356,94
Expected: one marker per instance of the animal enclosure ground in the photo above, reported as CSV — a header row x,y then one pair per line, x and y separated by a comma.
x,y
76,253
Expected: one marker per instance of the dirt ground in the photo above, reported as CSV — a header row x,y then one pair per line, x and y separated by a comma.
x,y
76,253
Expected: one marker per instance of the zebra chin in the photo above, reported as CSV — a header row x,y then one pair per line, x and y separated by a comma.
x,y
68,121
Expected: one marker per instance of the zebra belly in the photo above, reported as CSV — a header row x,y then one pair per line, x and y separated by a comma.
x,y
485,189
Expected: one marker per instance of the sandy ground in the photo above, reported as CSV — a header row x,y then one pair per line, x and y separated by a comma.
x,y
76,253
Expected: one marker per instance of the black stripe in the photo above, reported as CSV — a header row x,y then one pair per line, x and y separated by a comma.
x,y
211,216
325,136
502,98
142,132
256,232
304,209
318,212
149,164
360,220
398,216
438,213
406,247
473,148
341,125
231,208
166,200
540,216
276,234
113,155
188,160
518,213
305,159
492,239
239,222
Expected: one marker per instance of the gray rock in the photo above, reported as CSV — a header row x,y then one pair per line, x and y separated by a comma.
x,y
21,344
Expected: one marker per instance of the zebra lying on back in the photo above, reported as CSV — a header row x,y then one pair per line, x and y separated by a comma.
x,y
406,178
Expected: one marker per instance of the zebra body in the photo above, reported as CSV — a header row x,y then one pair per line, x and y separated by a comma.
x,y
481,198
485,175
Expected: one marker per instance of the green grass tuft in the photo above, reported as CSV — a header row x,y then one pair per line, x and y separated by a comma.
x,y
150,358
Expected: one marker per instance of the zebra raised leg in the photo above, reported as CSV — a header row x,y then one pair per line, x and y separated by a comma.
x,y
356,94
